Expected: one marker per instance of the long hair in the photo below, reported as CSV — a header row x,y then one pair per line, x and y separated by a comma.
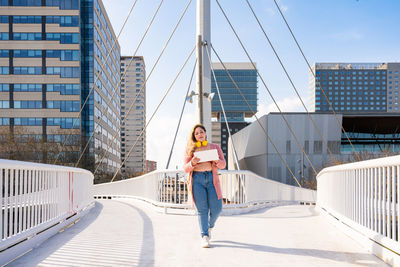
x,y
191,143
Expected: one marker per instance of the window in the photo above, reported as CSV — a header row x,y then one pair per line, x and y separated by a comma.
x,y
4,70
27,70
288,148
3,19
4,53
64,89
63,21
64,72
27,104
4,104
27,19
64,55
4,36
317,147
4,87
27,2
64,38
27,53
24,87
30,36
28,121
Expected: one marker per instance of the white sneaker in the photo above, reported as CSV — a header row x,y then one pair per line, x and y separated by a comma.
x,y
209,232
205,242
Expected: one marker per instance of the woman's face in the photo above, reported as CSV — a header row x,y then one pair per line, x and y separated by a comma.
x,y
199,134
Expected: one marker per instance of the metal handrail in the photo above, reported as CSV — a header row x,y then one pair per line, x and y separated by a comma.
x,y
38,199
365,195
168,189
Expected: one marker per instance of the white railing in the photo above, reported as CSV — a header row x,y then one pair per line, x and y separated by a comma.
x,y
365,196
36,201
242,190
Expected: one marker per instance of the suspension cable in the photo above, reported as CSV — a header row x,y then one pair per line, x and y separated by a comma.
x,y
142,88
291,82
223,111
120,80
269,92
255,115
180,117
97,77
317,82
155,111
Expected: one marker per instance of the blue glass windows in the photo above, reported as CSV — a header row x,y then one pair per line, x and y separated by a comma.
x,y
64,21
64,4
30,36
64,106
27,19
64,123
4,53
64,89
25,87
27,53
4,104
4,87
27,70
27,104
28,121
64,72
27,2
4,36
64,55
64,38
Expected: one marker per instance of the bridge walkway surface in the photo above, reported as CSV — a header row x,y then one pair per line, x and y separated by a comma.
x,y
127,232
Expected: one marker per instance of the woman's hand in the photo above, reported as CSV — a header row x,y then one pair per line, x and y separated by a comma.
x,y
215,162
195,160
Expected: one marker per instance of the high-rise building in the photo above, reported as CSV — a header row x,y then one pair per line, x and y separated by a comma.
x,y
133,112
51,55
236,109
355,87
151,165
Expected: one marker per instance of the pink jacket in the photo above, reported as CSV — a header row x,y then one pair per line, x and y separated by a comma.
x,y
188,168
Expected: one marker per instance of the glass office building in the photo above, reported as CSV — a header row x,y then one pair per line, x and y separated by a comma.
x,y
236,108
355,87
51,53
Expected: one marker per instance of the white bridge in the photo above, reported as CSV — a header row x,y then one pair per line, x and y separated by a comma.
x,y
54,216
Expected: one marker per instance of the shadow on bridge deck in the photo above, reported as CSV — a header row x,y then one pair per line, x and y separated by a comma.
x,y
126,232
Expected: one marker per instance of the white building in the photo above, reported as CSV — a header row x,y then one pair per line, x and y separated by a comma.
x,y
133,111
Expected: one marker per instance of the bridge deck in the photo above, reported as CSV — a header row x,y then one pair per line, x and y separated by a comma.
x,y
126,232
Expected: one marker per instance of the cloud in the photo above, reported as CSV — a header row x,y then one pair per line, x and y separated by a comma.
x,y
284,8
272,11
288,104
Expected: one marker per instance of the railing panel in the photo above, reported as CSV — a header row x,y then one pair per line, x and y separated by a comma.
x,y
373,198
34,197
239,188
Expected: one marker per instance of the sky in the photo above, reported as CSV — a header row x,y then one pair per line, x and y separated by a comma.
x,y
355,31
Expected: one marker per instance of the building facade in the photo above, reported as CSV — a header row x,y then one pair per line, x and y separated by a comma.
x,y
372,135
133,114
52,54
151,165
236,109
355,87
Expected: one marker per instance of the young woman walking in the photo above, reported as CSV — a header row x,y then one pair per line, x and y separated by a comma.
x,y
203,183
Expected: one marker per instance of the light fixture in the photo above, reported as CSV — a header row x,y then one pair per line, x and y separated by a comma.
x,y
209,96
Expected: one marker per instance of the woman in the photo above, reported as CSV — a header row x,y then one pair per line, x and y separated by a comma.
x,y
203,182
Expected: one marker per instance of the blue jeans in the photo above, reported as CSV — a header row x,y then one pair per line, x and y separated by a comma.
x,y
206,200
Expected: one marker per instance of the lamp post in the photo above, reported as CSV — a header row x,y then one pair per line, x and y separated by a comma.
x,y
203,68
